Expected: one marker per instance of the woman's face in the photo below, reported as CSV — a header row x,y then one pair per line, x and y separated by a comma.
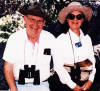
x,y
75,20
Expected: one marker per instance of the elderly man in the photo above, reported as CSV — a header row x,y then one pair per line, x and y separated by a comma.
x,y
28,53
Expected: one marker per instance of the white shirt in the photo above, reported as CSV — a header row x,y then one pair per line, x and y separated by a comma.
x,y
65,52
20,51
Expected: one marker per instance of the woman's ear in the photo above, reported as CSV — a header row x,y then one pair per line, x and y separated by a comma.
x,y
44,21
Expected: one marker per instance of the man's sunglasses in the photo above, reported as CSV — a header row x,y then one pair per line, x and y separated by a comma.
x,y
72,16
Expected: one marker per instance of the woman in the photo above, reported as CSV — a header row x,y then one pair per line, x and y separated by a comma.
x,y
73,57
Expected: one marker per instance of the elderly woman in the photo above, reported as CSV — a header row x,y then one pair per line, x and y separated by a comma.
x,y
74,60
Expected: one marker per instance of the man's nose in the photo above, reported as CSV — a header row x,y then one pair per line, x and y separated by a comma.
x,y
35,24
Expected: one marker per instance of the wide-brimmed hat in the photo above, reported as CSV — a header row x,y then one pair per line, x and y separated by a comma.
x,y
74,6
34,10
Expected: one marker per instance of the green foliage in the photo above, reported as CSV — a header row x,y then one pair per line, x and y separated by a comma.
x,y
52,8
4,35
10,6
9,26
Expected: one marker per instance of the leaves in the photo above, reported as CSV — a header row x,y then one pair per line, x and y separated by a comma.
x,y
4,35
52,8
10,6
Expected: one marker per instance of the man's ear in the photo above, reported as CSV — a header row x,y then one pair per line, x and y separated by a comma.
x,y
25,19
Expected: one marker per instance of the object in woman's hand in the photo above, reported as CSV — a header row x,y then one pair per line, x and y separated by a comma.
x,y
85,63
86,69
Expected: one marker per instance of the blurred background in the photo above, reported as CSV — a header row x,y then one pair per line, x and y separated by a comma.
x,y
11,20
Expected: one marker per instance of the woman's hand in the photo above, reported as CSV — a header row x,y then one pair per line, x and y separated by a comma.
x,y
77,88
86,86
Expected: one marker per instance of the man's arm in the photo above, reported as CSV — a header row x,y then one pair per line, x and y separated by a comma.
x,y
8,72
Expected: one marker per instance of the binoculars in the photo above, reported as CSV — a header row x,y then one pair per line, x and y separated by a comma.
x,y
29,72
75,73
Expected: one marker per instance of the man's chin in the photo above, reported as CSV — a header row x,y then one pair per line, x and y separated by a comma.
x,y
35,39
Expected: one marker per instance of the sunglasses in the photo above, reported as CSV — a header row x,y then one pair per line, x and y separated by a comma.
x,y
72,16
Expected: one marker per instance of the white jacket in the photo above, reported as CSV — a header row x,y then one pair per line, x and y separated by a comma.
x,y
63,54
20,51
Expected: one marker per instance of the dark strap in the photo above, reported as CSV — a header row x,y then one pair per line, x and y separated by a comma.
x,y
51,63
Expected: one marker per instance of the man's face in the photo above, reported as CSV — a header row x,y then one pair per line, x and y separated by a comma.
x,y
34,25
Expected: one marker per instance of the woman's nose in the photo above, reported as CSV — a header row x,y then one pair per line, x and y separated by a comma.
x,y
75,18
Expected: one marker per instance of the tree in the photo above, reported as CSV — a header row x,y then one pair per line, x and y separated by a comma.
x,y
52,8
8,10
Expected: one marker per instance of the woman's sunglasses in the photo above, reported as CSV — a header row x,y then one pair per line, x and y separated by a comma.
x,y
72,16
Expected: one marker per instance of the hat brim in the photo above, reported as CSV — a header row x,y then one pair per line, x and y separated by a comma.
x,y
34,12
65,11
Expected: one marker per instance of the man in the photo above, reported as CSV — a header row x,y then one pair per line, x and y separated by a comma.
x,y
27,54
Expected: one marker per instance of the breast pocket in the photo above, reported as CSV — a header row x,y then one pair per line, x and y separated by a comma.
x,y
46,59
44,67
47,51
47,56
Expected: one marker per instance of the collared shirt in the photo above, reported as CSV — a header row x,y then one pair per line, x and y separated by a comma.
x,y
65,52
20,51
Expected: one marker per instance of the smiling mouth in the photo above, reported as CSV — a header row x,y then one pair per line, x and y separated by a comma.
x,y
34,30
74,22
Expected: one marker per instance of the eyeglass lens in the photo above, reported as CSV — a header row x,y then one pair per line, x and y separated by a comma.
x,y
33,20
72,16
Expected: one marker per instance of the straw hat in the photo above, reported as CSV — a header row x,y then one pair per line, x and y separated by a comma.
x,y
72,7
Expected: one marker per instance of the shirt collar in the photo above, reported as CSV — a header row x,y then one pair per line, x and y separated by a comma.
x,y
74,36
27,40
